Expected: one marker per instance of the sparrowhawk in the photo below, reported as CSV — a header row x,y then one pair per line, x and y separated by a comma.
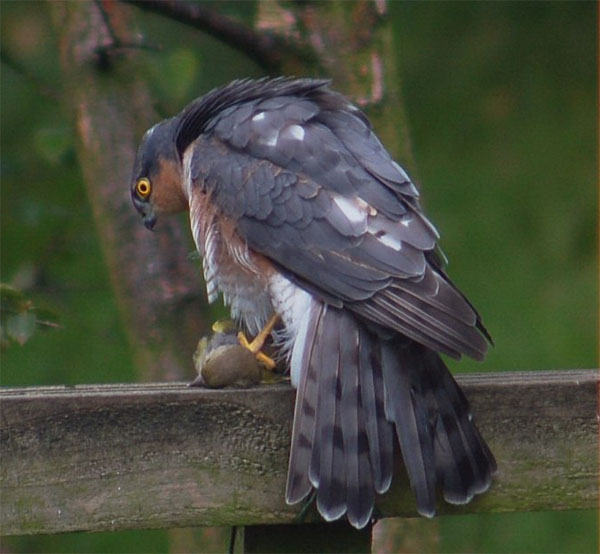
x,y
300,213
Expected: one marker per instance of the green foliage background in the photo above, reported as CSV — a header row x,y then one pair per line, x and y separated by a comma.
x,y
501,100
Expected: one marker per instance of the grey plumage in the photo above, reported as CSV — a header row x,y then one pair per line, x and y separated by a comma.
x,y
310,188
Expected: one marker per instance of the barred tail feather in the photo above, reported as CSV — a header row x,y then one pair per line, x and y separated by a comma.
x,y
357,391
334,436
328,453
304,370
452,451
464,462
380,432
405,407
359,498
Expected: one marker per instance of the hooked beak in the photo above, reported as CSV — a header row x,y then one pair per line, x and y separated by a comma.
x,y
146,210
150,220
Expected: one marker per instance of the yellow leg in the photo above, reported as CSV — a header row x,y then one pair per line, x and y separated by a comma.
x,y
259,341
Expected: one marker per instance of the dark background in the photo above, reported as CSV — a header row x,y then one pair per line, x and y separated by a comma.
x,y
501,103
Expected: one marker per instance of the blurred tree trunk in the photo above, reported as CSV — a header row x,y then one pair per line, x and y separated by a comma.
x,y
159,291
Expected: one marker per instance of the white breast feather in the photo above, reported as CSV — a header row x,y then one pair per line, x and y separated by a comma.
x,y
295,306
209,266
187,173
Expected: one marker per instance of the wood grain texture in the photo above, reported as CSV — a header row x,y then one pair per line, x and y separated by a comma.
x,y
164,455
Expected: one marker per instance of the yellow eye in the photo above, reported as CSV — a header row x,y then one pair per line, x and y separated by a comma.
x,y
143,187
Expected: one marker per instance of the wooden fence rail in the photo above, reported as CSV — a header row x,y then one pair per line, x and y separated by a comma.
x,y
164,455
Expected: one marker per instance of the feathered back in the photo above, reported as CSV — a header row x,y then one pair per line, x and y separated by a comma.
x,y
195,118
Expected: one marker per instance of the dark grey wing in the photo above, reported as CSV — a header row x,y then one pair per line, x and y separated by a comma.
x,y
312,188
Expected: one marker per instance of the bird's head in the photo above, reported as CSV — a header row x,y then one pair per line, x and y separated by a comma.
x,y
157,181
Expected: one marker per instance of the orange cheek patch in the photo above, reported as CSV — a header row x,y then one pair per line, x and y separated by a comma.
x,y
167,195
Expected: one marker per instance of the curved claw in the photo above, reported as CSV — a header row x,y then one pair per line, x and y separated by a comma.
x,y
255,347
259,341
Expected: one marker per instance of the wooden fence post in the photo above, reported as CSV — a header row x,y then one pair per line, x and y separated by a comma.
x,y
163,455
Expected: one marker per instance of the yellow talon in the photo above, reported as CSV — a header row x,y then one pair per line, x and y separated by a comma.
x,y
259,342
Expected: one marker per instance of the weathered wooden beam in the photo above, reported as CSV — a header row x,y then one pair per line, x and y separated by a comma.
x,y
164,455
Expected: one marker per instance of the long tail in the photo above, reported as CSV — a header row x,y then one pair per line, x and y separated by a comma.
x,y
356,392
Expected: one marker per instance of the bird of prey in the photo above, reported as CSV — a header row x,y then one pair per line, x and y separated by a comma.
x,y
301,215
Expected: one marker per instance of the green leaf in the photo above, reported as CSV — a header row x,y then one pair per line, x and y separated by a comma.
x,y
12,300
19,318
20,327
